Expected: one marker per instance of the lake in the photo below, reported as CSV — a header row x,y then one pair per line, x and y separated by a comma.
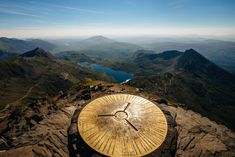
x,y
119,76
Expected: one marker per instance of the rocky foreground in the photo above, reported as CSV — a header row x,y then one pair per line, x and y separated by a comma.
x,y
49,127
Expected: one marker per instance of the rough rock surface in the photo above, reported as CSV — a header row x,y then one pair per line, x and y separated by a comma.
x,y
46,138
199,136
49,128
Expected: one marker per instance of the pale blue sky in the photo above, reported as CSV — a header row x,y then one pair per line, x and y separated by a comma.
x,y
81,17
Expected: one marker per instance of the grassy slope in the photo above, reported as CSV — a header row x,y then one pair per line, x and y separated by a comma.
x,y
29,78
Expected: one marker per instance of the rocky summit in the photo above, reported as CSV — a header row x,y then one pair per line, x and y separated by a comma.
x,y
49,127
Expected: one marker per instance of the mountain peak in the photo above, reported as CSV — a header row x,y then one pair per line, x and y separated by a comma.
x,y
194,62
192,52
99,40
98,36
194,57
191,60
37,52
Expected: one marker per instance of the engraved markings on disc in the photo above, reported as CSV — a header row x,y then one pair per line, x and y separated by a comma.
x,y
122,125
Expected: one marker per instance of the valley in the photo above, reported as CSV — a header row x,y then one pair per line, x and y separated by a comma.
x,y
218,51
182,83
201,83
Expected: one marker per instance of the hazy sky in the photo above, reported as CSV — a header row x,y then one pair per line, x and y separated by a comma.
x,y
58,18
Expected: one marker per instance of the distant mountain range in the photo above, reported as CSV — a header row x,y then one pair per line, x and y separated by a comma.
x,y
74,56
20,46
10,47
220,52
99,46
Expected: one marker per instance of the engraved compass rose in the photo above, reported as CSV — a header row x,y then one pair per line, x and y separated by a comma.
x,y
122,125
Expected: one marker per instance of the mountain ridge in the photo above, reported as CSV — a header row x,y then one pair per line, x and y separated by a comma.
x,y
40,70
99,39
37,52
185,77
13,45
219,51
100,47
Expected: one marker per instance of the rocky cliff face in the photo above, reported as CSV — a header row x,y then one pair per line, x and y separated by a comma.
x,y
49,128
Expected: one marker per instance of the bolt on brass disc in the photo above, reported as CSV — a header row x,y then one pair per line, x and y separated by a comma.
x,y
122,125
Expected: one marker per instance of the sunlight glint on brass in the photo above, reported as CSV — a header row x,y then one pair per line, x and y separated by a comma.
x,y
122,125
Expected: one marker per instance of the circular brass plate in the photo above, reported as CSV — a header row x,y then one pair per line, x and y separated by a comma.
x,y
122,125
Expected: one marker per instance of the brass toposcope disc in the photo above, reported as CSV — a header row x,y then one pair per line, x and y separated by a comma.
x,y
122,125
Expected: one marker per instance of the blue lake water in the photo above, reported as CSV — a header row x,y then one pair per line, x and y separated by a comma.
x,y
119,76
